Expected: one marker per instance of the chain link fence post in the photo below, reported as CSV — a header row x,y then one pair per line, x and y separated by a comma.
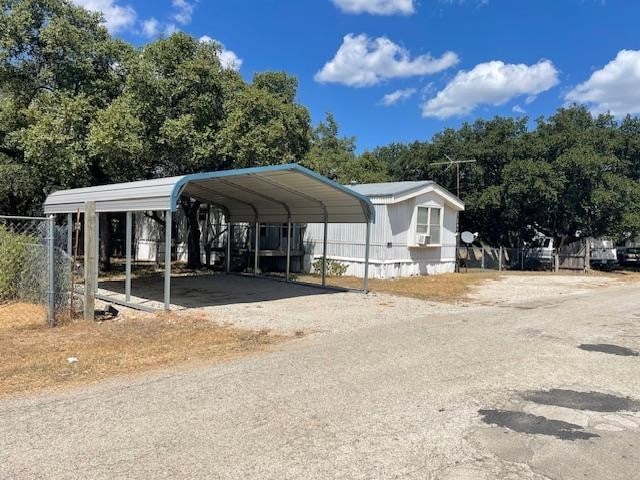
x,y
51,286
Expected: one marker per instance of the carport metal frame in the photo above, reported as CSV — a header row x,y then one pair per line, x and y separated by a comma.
x,y
115,200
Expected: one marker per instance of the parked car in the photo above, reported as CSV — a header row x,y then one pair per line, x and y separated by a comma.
x,y
603,253
629,256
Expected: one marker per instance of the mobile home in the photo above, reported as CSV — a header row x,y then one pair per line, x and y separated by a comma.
x,y
414,233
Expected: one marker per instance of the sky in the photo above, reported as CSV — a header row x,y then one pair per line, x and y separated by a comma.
x,y
402,70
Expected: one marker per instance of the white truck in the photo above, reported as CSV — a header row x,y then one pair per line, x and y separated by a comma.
x,y
539,254
603,253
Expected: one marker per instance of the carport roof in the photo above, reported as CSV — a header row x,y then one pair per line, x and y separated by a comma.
x,y
272,194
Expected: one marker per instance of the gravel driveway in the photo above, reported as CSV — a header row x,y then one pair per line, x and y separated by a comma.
x,y
466,392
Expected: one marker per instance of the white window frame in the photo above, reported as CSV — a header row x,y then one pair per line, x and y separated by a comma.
x,y
429,209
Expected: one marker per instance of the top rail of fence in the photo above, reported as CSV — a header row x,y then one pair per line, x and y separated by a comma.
x,y
18,217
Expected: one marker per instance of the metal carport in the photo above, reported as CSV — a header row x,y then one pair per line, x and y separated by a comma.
x,y
273,194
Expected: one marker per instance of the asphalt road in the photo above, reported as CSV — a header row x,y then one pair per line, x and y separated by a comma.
x,y
397,400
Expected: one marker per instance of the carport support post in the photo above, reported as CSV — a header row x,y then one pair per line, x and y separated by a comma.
x,y
324,252
70,234
257,252
167,260
288,248
366,258
97,254
227,267
127,270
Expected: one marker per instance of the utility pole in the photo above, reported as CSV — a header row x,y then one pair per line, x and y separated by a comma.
x,y
450,163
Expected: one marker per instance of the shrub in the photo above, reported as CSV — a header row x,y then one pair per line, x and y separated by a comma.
x,y
334,268
13,254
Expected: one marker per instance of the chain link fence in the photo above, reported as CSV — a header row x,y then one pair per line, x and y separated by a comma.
x,y
35,270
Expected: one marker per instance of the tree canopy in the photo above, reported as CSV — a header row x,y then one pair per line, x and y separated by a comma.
x,y
79,107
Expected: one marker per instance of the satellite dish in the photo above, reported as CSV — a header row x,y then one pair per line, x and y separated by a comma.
x,y
468,237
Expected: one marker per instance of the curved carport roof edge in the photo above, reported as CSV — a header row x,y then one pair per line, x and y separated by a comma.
x,y
181,184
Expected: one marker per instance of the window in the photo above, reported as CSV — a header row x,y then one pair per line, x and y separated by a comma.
x,y
429,223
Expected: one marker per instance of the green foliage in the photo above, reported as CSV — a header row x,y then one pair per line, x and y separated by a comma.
x,y
334,157
13,253
573,174
334,267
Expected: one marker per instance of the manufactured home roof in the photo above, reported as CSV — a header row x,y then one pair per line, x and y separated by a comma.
x,y
388,188
272,194
393,192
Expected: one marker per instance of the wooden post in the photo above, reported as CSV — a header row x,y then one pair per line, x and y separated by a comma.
x,y
587,256
556,262
500,259
90,270
482,258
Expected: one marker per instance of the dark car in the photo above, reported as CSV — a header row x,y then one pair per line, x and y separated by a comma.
x,y
629,256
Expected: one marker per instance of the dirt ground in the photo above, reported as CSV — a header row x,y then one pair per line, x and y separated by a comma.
x,y
251,303
531,378
233,315
34,356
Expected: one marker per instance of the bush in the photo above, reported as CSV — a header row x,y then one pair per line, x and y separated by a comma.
x,y
13,254
334,268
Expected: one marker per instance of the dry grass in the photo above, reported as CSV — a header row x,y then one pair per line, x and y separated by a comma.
x,y
450,287
33,356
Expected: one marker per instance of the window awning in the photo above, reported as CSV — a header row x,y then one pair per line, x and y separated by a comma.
x,y
272,194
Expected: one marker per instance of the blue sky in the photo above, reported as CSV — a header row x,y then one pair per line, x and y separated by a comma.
x,y
402,70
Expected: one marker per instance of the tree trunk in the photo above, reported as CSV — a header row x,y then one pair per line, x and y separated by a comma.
x,y
190,208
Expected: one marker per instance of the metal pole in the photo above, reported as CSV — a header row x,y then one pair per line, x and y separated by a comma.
x,y
127,275
167,260
229,239
324,252
70,234
288,248
97,248
366,258
257,252
90,274
51,300
482,258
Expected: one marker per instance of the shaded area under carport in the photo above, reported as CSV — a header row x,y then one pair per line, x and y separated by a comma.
x,y
199,291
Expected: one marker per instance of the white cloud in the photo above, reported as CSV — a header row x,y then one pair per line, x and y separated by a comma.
x,y
376,7
397,96
518,109
183,11
116,17
151,27
491,83
228,58
169,29
361,61
614,87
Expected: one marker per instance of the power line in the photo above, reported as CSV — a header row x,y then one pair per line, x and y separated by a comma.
x,y
450,163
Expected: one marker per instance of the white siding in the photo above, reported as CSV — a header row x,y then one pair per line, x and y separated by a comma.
x,y
393,251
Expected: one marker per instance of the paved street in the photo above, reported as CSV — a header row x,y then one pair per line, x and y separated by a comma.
x,y
482,392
